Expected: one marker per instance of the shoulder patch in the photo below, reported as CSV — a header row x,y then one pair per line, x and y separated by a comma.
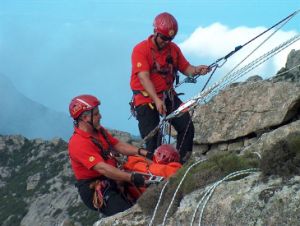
x,y
139,64
91,159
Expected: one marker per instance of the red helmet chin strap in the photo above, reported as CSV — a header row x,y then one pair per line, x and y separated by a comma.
x,y
90,122
156,43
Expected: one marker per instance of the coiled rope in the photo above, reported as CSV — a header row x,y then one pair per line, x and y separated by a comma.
x,y
158,203
205,198
229,78
206,94
175,193
207,195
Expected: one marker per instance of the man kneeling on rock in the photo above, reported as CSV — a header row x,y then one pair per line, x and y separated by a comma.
x,y
92,149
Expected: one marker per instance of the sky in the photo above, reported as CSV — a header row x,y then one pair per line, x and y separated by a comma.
x,y
53,50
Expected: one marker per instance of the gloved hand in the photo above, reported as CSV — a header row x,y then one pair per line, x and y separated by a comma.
x,y
137,179
149,155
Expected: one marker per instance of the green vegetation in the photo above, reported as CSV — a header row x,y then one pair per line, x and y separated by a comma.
x,y
283,158
13,194
82,214
198,177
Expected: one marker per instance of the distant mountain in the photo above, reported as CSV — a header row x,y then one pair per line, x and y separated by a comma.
x,y
21,115
255,123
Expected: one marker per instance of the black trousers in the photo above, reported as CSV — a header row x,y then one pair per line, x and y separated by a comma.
x,y
115,201
149,118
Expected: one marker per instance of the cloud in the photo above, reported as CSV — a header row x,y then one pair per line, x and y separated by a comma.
x,y
217,40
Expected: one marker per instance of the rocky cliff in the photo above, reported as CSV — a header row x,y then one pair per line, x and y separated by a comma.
x,y
37,183
245,167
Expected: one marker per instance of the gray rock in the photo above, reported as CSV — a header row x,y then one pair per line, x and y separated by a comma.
x,y
254,78
291,71
269,140
245,202
33,181
255,116
246,109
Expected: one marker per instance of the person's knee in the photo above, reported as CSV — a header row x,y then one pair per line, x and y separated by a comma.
x,y
115,203
185,157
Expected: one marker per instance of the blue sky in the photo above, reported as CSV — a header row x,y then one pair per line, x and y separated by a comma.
x,y
53,50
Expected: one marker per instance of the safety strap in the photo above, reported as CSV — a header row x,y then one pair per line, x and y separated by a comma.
x,y
99,187
105,153
168,69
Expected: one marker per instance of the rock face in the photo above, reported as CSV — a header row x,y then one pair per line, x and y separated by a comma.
x,y
248,201
254,124
245,202
258,117
37,183
246,109
291,71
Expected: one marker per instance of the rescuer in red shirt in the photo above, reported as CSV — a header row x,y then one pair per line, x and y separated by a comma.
x,y
155,63
92,151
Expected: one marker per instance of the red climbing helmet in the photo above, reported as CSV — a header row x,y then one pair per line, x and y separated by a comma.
x,y
166,153
165,24
81,104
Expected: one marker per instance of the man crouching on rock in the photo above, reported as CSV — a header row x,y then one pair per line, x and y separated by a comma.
x,y
92,149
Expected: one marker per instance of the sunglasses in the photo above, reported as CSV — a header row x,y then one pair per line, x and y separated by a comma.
x,y
165,38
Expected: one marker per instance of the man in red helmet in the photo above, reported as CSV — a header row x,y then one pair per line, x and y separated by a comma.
x,y
155,62
91,150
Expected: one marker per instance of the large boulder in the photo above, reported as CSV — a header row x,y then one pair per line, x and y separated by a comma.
x,y
291,71
246,109
248,201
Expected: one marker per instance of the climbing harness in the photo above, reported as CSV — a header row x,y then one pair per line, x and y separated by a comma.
x,y
168,71
208,93
99,187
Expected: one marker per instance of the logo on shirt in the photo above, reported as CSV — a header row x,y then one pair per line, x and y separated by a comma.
x,y
91,158
139,64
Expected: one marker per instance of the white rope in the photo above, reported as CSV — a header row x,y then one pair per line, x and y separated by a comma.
x,y
201,200
258,154
229,78
158,202
179,185
210,191
206,94
284,72
264,41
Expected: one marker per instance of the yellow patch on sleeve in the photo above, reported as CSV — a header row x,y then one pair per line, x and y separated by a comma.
x,y
91,158
139,64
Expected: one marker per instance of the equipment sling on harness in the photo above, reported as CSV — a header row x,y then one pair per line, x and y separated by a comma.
x,y
190,104
167,71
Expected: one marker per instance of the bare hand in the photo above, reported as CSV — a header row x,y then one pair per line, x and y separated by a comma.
x,y
160,106
202,70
